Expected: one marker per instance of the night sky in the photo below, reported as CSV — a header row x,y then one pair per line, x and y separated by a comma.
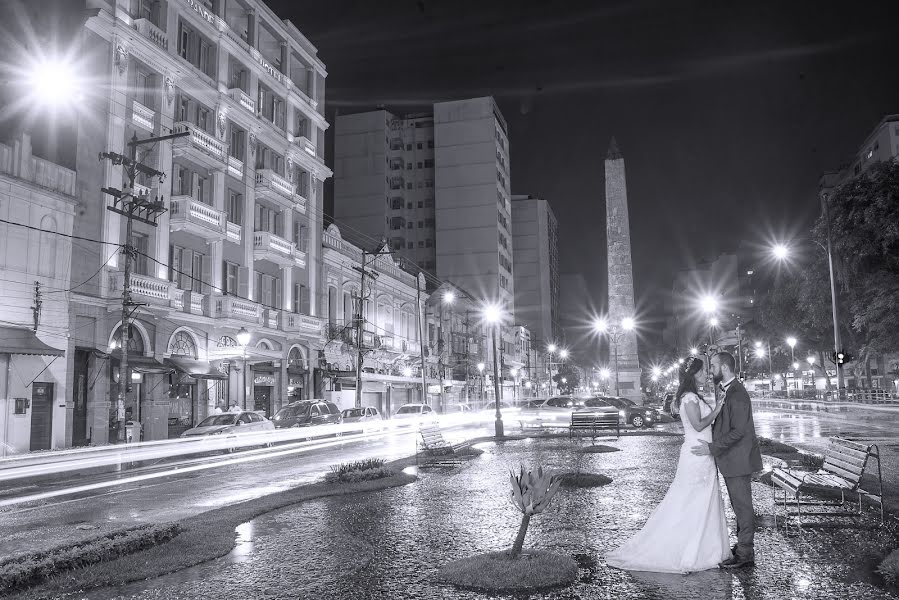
x,y
726,115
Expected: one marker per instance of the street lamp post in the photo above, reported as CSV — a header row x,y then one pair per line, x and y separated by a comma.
x,y
791,342
243,338
782,252
614,334
481,374
492,315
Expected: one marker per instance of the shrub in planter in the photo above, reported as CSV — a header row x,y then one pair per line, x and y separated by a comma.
x,y
360,470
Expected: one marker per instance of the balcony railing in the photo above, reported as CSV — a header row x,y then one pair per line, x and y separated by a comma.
x,y
158,291
266,179
268,246
152,33
200,140
230,307
243,98
306,144
143,116
198,218
234,232
141,191
235,166
305,323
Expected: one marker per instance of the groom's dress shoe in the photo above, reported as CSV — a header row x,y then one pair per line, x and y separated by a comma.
x,y
737,563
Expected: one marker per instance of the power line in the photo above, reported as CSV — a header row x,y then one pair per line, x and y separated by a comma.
x,y
68,235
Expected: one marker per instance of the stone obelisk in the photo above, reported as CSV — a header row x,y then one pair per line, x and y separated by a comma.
x,y
622,343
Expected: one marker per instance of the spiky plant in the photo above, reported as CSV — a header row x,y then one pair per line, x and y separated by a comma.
x,y
531,494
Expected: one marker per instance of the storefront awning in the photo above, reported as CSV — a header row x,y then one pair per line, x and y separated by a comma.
x,y
198,369
142,364
18,340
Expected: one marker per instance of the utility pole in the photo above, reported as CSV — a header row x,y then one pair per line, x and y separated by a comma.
x,y
36,309
358,326
421,341
142,209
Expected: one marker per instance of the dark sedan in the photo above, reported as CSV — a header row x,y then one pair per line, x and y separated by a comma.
x,y
638,416
307,413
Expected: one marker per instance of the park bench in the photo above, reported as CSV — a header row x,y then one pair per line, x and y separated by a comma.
x,y
434,449
593,421
845,463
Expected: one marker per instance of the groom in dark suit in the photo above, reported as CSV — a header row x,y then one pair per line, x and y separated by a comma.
x,y
736,451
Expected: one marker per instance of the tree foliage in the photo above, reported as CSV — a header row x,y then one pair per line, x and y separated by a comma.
x,y
570,375
864,227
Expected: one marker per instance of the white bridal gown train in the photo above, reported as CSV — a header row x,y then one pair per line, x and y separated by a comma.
x,y
687,531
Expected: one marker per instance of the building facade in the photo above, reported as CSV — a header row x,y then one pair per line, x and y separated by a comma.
x,y
238,246
473,199
37,207
384,181
536,260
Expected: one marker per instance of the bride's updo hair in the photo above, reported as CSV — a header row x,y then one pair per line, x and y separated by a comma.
x,y
687,372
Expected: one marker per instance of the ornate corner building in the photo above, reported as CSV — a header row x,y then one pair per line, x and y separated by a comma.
x,y
239,243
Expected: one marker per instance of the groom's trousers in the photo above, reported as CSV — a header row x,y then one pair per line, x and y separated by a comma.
x,y
740,491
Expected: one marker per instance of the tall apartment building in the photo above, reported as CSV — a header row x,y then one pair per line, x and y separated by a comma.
x,y
536,260
435,186
240,241
473,207
384,181
37,205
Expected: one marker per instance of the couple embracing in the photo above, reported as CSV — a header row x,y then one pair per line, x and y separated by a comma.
x,y
687,531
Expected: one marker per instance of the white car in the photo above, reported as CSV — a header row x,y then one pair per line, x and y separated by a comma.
x,y
415,411
367,416
233,424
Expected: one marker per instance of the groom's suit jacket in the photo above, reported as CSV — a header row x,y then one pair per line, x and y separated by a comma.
x,y
734,444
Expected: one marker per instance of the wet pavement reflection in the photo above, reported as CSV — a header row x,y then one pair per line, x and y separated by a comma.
x,y
389,544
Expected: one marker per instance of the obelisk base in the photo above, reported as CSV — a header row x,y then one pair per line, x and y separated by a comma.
x,y
629,385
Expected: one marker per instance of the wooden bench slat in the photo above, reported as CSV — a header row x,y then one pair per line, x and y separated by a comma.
x,y
832,461
849,476
857,451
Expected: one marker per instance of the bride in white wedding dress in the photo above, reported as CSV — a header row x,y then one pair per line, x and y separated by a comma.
x,y
687,531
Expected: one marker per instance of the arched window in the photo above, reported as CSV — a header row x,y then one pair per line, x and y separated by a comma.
x,y
47,253
135,341
295,358
183,345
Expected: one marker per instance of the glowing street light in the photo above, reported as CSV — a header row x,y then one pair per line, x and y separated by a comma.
x,y
407,372
795,365
605,373
563,353
680,361
628,324
656,371
780,251
709,304
713,321
791,342
811,360
551,348
693,351
449,297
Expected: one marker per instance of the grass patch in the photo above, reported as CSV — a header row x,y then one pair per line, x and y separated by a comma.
x,y
496,572
889,568
22,571
597,449
584,480
203,537
360,470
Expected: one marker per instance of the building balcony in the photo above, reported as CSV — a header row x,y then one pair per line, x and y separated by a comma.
x,y
235,232
143,116
295,323
156,292
200,147
235,167
274,187
244,99
306,145
152,33
198,219
277,250
231,307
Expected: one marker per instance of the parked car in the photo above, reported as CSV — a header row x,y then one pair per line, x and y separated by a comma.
x,y
306,413
457,409
638,416
368,416
415,411
503,407
231,424
669,407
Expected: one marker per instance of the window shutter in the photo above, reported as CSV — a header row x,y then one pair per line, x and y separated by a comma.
x,y
243,282
207,275
174,263
183,269
277,300
304,300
